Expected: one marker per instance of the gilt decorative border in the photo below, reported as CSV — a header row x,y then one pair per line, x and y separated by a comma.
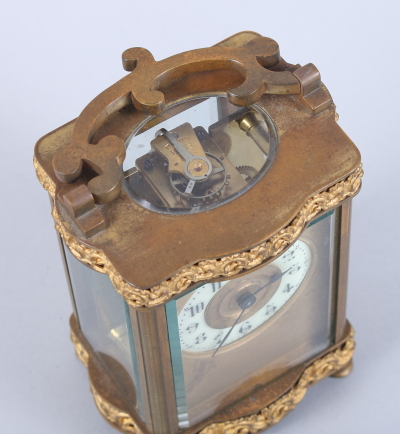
x,y
44,178
212,268
122,420
80,350
324,367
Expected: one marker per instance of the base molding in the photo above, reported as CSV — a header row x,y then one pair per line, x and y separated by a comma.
x,y
113,415
336,362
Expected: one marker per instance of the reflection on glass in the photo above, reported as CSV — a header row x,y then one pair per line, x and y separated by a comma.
x,y
104,320
204,153
267,321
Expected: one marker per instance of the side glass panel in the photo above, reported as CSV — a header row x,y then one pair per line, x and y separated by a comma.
x,y
229,337
105,321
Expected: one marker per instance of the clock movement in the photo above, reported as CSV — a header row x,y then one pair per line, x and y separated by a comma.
x,y
202,204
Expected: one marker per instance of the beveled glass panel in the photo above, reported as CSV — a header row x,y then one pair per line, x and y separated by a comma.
x,y
104,319
229,337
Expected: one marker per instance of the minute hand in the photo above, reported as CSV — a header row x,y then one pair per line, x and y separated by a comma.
x,y
274,278
229,332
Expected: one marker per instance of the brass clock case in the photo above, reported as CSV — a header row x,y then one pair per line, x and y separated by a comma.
x,y
201,221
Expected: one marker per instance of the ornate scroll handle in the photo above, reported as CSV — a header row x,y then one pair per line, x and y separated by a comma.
x,y
141,86
250,61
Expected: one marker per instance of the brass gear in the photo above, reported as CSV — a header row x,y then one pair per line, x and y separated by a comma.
x,y
249,172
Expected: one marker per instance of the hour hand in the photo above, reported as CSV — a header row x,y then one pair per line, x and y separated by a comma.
x,y
273,279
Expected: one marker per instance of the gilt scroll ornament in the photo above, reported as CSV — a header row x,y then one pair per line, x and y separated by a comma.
x,y
114,415
80,350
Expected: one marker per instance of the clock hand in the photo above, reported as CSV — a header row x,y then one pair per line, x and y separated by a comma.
x,y
274,278
245,301
229,332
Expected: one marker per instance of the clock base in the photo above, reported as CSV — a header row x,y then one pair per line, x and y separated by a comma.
x,y
335,362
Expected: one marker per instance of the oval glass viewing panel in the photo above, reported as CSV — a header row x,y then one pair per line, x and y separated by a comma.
x,y
198,154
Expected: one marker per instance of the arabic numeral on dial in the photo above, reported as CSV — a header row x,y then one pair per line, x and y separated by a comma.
x,y
288,288
270,309
295,269
193,327
289,256
195,309
216,286
218,338
201,338
245,327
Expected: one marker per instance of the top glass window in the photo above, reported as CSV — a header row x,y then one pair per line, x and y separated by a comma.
x,y
198,154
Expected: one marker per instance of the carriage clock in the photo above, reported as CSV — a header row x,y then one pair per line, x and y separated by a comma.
x,y
203,207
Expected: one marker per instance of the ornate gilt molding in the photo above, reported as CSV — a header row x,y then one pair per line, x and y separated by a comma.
x,y
44,179
114,415
80,350
267,417
212,268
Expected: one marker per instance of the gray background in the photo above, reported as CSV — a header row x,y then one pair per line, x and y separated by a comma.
x,y
57,56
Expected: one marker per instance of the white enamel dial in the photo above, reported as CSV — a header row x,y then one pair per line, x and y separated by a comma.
x,y
197,335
